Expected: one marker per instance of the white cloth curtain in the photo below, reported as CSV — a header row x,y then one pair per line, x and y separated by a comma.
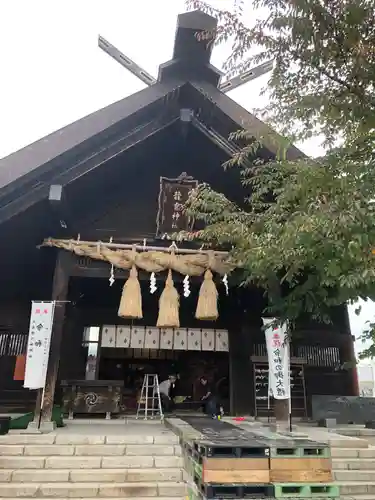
x,y
108,336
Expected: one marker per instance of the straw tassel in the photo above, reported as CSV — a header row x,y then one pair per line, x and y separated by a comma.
x,y
207,300
169,305
131,299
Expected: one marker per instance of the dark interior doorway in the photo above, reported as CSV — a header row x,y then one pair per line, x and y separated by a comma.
x,y
97,303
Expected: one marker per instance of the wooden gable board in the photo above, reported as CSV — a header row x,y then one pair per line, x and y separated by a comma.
x,y
30,161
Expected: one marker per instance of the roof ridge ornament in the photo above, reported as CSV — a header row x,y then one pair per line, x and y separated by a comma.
x,y
191,55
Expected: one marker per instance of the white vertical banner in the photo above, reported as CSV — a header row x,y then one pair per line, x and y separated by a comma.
x,y
221,340
137,340
38,344
194,339
108,336
152,337
208,340
123,336
180,339
166,338
278,359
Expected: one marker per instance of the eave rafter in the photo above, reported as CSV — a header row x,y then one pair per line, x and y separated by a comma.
x,y
228,147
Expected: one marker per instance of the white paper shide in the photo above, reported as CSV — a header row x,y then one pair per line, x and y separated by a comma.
x,y
38,345
278,359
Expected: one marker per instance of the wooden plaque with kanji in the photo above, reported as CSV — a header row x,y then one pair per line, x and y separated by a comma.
x,y
173,195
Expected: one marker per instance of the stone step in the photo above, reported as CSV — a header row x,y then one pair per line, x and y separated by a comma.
x,y
367,453
355,488
165,437
89,450
338,441
91,490
342,476
91,475
347,431
353,464
358,497
352,453
85,462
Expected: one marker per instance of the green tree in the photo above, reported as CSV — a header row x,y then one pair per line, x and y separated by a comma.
x,y
324,52
306,233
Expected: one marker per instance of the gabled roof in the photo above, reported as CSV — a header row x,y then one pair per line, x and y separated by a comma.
x,y
63,156
44,151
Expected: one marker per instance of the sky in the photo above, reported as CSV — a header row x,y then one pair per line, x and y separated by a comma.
x,y
53,73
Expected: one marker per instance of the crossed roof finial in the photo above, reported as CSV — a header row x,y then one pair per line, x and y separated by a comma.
x,y
191,55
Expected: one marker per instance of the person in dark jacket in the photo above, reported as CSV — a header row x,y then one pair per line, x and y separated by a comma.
x,y
209,398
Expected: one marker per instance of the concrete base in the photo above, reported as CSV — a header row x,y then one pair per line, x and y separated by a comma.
x,y
47,427
283,427
44,428
32,428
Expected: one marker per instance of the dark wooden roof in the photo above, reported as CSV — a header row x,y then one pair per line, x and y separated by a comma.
x,y
55,145
73,151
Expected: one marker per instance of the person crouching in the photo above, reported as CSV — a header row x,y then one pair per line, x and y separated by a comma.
x,y
165,393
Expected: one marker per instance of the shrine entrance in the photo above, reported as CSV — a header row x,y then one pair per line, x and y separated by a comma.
x,y
116,353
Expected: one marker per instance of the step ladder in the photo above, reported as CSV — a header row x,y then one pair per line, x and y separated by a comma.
x,y
149,404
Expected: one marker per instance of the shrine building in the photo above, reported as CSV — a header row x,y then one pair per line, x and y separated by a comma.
x,y
95,204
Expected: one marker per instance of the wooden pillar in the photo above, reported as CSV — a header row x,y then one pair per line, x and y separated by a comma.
x,y
44,406
72,364
349,356
240,366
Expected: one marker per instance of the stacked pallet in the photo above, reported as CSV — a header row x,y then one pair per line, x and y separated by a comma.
x,y
230,471
259,469
302,470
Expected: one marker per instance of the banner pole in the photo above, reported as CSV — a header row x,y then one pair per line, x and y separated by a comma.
x,y
290,390
41,406
38,347
287,349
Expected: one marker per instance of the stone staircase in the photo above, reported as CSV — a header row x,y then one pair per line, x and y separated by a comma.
x,y
354,470
358,431
62,465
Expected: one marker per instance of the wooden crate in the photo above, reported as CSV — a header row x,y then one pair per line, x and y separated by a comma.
x,y
236,463
300,470
236,470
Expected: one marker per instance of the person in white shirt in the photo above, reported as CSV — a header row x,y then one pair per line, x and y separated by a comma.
x,y
164,389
